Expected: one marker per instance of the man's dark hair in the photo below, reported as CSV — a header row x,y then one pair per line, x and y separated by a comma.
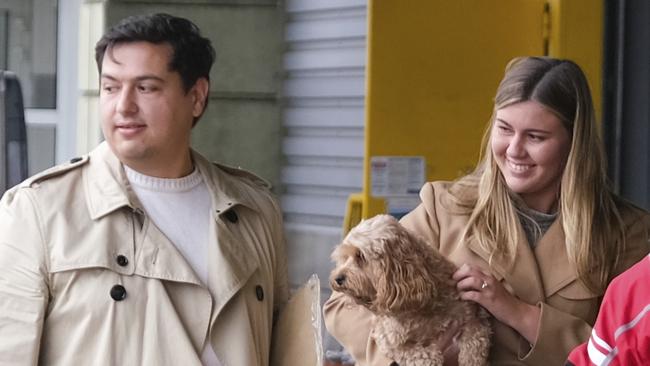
x,y
192,55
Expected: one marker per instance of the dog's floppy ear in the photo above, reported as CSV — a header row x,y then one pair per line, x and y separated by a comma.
x,y
404,281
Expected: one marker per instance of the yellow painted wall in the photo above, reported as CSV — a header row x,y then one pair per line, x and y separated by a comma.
x,y
577,34
434,66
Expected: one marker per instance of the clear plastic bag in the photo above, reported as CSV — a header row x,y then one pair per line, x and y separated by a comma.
x,y
297,333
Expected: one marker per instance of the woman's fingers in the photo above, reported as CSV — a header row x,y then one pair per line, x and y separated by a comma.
x,y
482,288
470,278
464,271
475,285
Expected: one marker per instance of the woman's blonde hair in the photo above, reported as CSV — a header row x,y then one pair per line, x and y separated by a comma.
x,y
592,224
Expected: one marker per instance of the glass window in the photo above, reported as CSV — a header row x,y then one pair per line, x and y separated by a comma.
x,y
28,34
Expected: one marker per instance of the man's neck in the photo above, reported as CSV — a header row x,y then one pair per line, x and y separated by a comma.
x,y
172,169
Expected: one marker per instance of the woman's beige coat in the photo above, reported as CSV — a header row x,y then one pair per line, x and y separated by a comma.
x,y
541,276
60,235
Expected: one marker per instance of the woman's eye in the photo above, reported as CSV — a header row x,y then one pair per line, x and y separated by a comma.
x,y
503,129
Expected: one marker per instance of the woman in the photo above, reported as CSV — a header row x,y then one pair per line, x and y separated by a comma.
x,y
535,230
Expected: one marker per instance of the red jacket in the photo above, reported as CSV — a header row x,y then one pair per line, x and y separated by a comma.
x,y
621,335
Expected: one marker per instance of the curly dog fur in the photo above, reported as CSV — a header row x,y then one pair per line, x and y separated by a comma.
x,y
407,284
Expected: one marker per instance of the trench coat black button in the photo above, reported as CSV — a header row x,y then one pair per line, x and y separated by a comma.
x,y
231,215
259,292
122,260
74,160
118,293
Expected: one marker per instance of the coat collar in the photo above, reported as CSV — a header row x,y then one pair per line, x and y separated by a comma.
x,y
105,183
226,189
107,188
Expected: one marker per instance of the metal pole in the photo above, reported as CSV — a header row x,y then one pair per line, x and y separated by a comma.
x,y
3,141
618,105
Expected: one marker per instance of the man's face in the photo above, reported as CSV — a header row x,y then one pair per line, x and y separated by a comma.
x,y
146,114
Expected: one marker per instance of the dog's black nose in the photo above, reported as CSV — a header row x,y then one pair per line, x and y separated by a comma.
x,y
340,279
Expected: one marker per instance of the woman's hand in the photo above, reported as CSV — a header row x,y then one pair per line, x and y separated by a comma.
x,y
482,288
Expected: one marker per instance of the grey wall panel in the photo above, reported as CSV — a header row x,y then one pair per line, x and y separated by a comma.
x,y
242,133
323,118
40,147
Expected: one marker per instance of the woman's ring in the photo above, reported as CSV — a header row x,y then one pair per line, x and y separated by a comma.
x,y
484,285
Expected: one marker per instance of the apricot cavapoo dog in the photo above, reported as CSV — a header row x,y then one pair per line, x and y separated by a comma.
x,y
407,284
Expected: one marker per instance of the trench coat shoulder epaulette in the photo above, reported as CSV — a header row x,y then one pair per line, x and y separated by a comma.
x,y
55,171
242,173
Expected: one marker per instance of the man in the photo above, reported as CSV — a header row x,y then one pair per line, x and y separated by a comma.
x,y
142,252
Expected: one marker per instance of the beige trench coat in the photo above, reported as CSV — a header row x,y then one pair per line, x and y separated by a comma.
x,y
61,233
541,276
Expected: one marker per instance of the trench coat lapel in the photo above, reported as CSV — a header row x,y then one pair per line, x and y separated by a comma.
x,y
108,190
159,258
522,276
232,259
553,261
231,263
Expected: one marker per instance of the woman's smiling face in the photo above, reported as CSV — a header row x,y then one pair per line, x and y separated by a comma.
x,y
531,145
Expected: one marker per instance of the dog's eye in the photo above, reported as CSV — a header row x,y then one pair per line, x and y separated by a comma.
x,y
359,257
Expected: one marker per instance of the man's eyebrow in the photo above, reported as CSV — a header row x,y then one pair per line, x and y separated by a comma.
x,y
107,76
138,78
